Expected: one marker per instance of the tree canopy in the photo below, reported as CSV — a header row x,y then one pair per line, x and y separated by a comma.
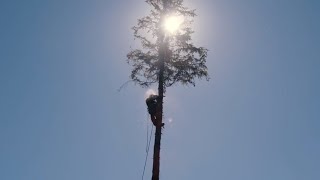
x,y
173,52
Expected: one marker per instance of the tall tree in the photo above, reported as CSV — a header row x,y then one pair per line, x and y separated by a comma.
x,y
167,56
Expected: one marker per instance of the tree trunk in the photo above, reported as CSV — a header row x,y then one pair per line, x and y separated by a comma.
x,y
156,154
156,149
162,57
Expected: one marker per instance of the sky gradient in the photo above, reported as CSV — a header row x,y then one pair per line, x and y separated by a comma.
x,y
62,118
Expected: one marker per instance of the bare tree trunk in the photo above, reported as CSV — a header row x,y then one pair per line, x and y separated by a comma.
x,y
156,154
156,149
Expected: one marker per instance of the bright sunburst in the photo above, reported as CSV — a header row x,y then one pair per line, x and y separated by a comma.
x,y
172,23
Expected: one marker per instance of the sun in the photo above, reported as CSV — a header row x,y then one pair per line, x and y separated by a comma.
x,y
172,23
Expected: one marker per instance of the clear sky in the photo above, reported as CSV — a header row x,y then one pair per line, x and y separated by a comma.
x,y
62,118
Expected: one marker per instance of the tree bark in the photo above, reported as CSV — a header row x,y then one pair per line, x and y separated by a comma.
x,y
157,141
156,149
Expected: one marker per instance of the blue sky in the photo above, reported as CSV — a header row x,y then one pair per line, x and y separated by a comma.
x,y
61,116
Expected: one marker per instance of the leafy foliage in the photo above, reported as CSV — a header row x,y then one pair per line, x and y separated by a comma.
x,y
178,58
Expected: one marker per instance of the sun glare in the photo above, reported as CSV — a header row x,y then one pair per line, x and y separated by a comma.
x,y
172,23
149,92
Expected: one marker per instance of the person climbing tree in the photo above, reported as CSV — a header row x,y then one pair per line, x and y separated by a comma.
x,y
151,102
166,57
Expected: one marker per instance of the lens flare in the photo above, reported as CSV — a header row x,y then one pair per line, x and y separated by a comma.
x,y
149,92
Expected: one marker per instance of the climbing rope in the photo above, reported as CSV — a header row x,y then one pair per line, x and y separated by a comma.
x,y
147,146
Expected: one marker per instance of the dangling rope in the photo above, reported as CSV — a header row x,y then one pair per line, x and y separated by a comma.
x,y
147,146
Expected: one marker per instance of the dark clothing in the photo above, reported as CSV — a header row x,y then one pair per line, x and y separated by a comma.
x,y
151,102
152,107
